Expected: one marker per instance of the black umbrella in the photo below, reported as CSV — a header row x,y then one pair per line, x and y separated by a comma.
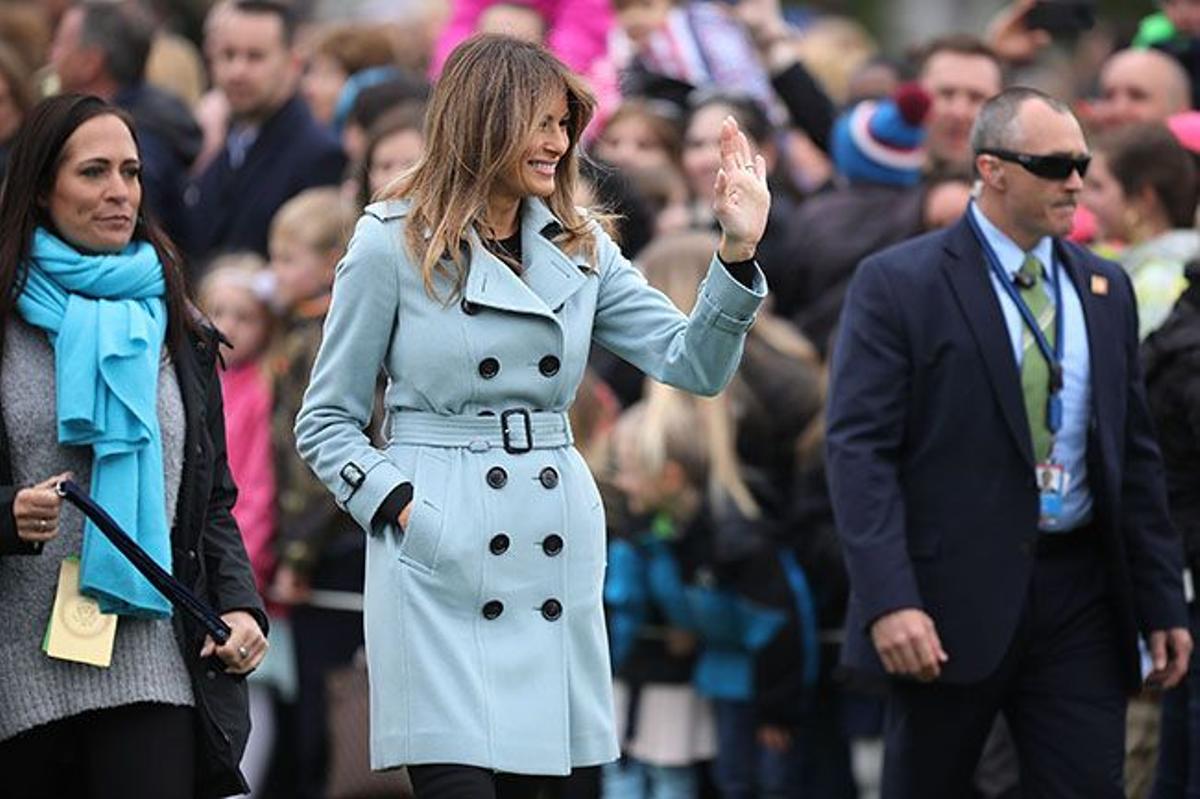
x,y
176,592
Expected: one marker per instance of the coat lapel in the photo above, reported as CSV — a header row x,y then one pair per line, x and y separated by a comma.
x,y
550,273
967,272
550,276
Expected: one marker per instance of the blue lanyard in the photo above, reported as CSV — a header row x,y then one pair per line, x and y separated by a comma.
x,y
1053,355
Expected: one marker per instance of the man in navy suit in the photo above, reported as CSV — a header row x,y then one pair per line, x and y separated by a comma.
x,y
998,491
273,150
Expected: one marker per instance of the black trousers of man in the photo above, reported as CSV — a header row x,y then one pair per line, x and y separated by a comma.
x,y
1059,687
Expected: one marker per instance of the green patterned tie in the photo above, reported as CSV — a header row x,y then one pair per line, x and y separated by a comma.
x,y
1035,371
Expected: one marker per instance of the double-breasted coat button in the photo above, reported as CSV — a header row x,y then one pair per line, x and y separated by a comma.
x,y
468,307
548,366
549,477
499,544
497,477
552,544
489,368
551,610
493,609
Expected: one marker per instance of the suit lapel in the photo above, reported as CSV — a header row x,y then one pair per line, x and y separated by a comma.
x,y
967,271
1095,320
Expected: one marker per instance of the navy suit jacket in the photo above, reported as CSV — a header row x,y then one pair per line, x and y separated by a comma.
x,y
231,209
931,466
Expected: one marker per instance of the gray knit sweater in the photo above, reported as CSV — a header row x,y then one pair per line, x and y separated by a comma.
x,y
146,664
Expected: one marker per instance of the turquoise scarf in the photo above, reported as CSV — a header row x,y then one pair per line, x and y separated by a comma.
x,y
107,319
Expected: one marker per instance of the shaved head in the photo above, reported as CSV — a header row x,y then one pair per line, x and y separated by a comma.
x,y
1141,86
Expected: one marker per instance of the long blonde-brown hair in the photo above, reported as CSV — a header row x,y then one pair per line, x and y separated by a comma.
x,y
480,117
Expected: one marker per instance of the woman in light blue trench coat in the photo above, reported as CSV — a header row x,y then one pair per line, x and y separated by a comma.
x,y
485,631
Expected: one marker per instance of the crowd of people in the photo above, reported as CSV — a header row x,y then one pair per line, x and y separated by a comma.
x,y
322,218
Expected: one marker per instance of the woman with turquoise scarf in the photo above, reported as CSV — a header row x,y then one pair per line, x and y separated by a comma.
x,y
108,376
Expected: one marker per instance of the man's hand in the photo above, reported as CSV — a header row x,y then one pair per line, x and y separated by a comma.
x,y
1011,38
1169,652
908,644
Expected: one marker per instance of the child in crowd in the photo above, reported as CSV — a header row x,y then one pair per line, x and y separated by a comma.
x,y
394,143
320,547
235,293
685,606
235,296
666,728
640,135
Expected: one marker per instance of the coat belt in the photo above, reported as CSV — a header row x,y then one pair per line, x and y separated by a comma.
x,y
515,430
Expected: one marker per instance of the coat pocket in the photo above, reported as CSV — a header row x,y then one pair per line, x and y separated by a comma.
x,y
422,536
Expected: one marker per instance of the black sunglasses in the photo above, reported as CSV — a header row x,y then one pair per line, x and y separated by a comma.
x,y
1050,167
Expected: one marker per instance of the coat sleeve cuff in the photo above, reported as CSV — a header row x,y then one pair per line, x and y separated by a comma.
x,y
368,487
734,305
395,502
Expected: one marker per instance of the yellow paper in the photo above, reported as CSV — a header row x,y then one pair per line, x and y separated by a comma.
x,y
78,630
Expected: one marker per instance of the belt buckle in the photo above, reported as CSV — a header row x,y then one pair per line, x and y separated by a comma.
x,y
506,431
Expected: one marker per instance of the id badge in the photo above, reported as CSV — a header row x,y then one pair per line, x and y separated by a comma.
x,y
1052,482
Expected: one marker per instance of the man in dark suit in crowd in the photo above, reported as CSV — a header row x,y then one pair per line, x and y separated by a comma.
x,y
273,149
996,482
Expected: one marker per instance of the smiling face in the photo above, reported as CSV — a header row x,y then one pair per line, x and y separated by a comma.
x,y
959,83
533,174
1140,86
97,189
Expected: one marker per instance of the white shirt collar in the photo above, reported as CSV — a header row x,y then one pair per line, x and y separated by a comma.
x,y
1010,255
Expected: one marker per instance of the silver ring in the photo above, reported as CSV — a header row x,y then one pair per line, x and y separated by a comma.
x,y
749,167
42,524
243,652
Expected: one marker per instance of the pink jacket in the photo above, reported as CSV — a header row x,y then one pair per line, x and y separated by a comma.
x,y
578,29
248,433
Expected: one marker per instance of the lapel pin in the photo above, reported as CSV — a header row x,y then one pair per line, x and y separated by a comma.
x,y
1099,285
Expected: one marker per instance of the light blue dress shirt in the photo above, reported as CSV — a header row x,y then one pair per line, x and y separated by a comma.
x,y
1070,446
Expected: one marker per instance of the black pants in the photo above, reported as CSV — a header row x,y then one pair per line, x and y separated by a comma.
x,y
449,781
136,750
1060,688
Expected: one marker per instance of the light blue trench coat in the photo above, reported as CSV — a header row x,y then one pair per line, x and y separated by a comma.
x,y
484,627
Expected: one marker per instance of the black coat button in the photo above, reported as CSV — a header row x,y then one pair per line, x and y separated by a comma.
x,y
489,368
468,307
551,610
552,544
499,544
548,366
493,609
549,477
497,477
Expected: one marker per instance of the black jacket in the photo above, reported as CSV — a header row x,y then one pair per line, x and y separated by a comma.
x,y
208,556
1171,359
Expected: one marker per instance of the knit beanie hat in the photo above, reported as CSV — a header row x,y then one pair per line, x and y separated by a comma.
x,y
881,141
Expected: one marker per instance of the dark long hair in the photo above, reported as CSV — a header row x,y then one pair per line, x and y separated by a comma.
x,y
33,164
